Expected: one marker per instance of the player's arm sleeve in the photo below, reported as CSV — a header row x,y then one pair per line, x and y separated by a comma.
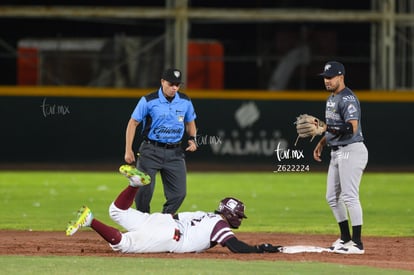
x,y
341,129
237,246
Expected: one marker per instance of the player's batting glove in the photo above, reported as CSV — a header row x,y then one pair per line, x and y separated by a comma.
x,y
268,248
309,126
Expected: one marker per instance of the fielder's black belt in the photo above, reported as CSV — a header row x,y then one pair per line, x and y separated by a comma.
x,y
335,148
163,145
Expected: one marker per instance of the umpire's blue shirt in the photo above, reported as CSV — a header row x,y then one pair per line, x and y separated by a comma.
x,y
161,120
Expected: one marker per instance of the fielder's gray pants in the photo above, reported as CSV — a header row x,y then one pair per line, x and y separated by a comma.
x,y
173,171
344,177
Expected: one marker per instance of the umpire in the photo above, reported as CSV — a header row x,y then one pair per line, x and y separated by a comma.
x,y
164,114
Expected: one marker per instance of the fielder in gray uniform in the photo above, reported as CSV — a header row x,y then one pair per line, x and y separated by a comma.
x,y
349,157
161,232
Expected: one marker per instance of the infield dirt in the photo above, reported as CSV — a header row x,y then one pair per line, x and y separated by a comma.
x,y
381,252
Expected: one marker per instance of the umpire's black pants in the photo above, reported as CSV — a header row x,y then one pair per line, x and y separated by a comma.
x,y
171,164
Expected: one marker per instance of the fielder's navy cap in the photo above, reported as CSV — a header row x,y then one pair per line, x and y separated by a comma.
x,y
172,75
333,68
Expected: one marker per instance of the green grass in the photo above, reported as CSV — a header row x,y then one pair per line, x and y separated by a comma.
x,y
290,202
96,265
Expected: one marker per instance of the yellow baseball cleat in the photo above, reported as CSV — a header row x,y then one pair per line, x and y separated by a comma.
x,y
85,218
136,177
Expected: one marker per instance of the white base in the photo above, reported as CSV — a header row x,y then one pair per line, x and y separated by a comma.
x,y
303,248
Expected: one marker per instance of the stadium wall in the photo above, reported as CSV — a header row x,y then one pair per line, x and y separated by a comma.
x,y
239,128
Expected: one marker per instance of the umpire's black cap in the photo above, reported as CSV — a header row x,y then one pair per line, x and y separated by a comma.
x,y
172,75
333,68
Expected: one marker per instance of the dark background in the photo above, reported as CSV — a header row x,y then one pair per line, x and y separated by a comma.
x,y
251,50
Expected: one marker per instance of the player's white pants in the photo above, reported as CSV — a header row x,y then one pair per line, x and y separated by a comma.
x,y
146,232
344,177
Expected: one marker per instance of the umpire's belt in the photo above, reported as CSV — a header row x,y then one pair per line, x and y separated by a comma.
x,y
163,145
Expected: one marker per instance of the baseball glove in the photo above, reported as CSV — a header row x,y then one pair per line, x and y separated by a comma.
x,y
309,126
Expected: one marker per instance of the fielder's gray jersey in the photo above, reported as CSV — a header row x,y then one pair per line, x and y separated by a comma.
x,y
341,108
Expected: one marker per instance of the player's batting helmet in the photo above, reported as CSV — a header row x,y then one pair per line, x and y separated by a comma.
x,y
233,210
